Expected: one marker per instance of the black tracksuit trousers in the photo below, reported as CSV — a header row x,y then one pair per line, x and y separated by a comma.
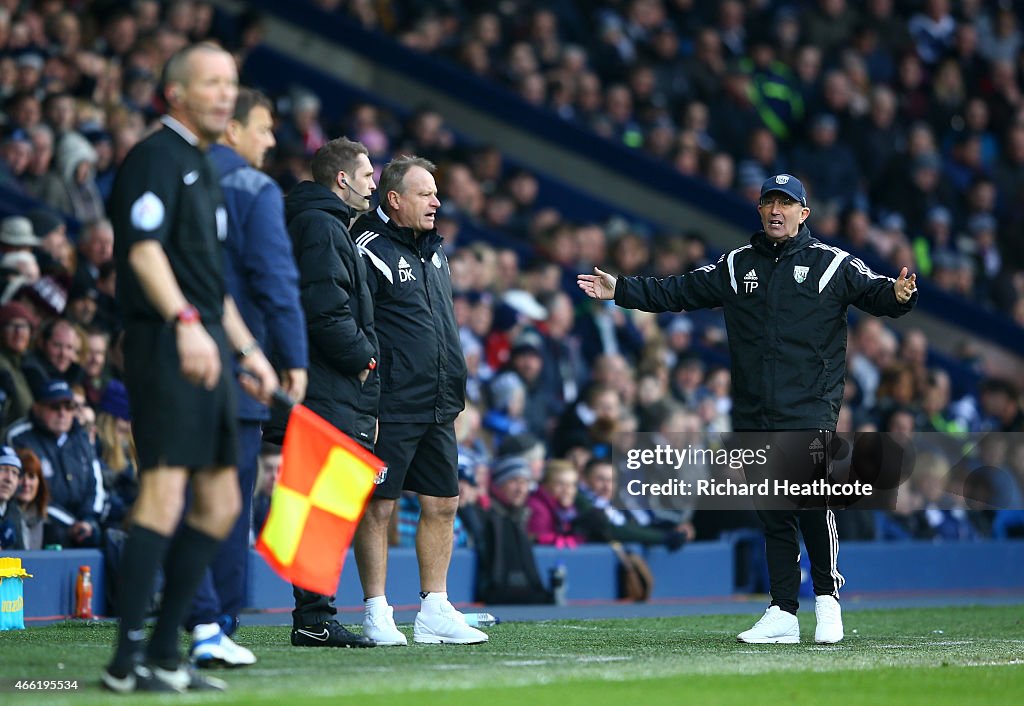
x,y
796,456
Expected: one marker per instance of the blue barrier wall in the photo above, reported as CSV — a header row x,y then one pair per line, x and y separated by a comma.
x,y
871,567
701,569
51,590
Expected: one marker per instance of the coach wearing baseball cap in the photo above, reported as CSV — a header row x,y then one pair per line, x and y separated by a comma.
x,y
785,295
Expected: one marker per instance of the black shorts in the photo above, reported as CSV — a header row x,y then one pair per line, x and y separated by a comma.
x,y
176,423
423,458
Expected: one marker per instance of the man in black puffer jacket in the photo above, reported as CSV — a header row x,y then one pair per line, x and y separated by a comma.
x,y
343,386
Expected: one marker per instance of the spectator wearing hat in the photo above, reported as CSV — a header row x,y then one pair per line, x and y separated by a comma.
x,y
30,68
10,511
527,447
76,193
510,487
56,355
937,238
15,337
117,451
45,298
69,465
473,498
83,304
33,498
20,265
506,569
15,160
16,235
508,400
982,247
526,359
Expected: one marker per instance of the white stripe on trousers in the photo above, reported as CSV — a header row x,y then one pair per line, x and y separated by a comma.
x,y
838,581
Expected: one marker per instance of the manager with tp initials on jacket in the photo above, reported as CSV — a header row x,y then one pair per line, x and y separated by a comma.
x,y
785,296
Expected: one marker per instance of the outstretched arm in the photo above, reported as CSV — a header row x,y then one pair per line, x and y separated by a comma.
x,y
877,294
700,289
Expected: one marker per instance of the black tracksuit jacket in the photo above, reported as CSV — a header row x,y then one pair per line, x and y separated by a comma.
x,y
786,316
422,369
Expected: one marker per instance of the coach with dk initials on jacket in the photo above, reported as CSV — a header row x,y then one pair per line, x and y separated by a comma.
x,y
423,389
785,296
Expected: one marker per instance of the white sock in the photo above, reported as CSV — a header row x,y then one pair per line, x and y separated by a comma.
x,y
375,604
433,601
205,631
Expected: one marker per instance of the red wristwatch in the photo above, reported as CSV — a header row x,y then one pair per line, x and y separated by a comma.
x,y
188,315
372,365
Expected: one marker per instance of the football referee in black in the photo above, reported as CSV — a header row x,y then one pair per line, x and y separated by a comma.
x,y
785,296
181,331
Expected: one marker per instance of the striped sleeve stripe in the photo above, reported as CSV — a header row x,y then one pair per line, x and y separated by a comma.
x,y
859,265
732,268
366,237
379,264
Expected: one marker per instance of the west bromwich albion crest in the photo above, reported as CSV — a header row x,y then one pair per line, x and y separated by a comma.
x,y
800,273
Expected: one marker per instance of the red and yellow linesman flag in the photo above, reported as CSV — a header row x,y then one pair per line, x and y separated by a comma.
x,y
325,482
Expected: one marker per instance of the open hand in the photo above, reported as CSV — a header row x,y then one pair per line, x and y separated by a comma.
x,y
905,286
597,286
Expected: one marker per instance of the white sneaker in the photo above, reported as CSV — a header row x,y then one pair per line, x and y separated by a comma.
x,y
830,620
775,627
380,627
212,648
445,626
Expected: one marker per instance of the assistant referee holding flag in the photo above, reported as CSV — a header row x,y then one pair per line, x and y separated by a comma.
x,y
181,330
785,297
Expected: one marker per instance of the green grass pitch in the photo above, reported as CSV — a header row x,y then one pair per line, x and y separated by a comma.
x,y
929,656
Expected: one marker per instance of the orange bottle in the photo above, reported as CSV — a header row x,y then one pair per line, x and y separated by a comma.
x,y
83,593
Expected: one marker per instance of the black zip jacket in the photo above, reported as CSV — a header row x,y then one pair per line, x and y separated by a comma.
x,y
335,295
422,370
785,313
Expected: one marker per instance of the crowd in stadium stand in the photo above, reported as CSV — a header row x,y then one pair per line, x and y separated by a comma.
x,y
930,171
905,119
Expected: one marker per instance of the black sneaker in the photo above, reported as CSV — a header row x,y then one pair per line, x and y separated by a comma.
x,y
329,633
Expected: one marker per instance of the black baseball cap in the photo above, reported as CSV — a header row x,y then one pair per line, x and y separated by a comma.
x,y
787,184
